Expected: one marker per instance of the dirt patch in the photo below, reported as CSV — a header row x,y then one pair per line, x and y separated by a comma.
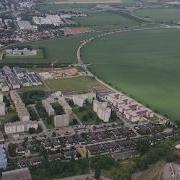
x,y
75,31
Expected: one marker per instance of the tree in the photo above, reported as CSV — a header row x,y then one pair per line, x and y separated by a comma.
x,y
97,173
12,149
32,130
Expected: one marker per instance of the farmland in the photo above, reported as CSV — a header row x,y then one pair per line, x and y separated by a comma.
x,y
63,50
141,64
160,14
106,20
60,50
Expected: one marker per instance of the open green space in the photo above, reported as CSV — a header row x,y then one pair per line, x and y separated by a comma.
x,y
106,20
76,84
160,14
86,114
144,64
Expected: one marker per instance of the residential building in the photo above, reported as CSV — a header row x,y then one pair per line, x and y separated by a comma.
x,y
103,112
2,109
3,158
61,120
17,174
20,127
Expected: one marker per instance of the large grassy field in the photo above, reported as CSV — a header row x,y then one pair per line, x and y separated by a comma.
x,y
160,14
144,64
76,84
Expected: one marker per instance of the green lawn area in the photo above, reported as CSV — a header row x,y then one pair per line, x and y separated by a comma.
x,y
86,115
144,64
160,14
76,84
106,20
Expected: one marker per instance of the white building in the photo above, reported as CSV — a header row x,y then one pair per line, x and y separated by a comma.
x,y
2,109
81,98
48,107
49,20
103,112
22,111
26,25
61,120
1,97
20,127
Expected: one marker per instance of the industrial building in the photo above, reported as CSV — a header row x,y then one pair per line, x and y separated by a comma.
x,y
22,111
81,98
55,20
3,158
21,52
103,112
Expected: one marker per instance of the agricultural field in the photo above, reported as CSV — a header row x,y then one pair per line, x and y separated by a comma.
x,y
141,64
76,84
106,20
62,50
55,7
160,14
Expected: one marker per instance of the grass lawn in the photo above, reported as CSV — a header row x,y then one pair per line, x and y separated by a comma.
x,y
86,115
160,14
141,64
77,84
105,20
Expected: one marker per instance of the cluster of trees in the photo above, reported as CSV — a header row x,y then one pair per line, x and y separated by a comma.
x,y
33,96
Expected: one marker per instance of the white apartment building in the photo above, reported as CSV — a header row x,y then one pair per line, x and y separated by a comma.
x,y
48,107
81,98
103,112
20,127
61,120
22,111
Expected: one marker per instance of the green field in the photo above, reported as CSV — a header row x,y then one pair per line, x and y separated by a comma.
x,y
144,64
60,50
106,20
76,84
56,7
160,14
